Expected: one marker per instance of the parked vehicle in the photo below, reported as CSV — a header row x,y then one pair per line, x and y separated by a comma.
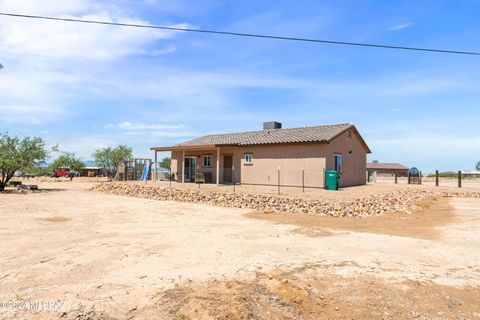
x,y
74,173
60,173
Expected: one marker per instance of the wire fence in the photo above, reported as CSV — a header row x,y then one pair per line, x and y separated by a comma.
x,y
272,177
458,181
303,178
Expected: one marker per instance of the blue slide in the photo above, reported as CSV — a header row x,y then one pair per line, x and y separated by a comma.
x,y
146,169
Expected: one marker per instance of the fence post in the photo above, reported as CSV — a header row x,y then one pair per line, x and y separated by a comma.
x,y
396,178
437,178
303,180
233,178
278,174
459,178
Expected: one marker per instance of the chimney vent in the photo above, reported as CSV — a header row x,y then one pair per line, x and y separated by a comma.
x,y
272,125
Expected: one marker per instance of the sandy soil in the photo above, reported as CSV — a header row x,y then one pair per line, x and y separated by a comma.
x,y
89,255
423,222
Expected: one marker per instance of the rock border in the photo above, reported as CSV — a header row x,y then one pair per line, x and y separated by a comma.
x,y
392,202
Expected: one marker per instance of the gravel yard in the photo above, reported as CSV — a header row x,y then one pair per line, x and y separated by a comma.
x,y
401,200
92,255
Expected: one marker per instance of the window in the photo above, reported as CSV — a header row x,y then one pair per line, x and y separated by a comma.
x,y
338,162
207,161
248,158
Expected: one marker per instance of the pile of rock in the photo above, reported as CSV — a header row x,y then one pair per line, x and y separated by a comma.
x,y
26,188
467,194
397,201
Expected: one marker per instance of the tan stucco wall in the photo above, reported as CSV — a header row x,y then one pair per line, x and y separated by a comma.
x,y
290,160
177,163
236,154
354,159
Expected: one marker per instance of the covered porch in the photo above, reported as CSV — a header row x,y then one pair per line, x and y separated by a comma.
x,y
210,164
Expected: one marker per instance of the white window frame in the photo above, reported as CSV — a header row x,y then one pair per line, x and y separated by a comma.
x,y
210,162
248,158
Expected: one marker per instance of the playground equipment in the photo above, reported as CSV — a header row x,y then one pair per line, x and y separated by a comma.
x,y
137,169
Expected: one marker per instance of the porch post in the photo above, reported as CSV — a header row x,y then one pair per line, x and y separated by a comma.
x,y
155,168
183,166
218,166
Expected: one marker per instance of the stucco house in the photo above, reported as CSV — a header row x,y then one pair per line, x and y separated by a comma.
x,y
272,156
387,169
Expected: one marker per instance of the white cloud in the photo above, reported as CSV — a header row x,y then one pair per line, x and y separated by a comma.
x,y
46,7
31,93
419,82
51,65
165,50
28,114
139,140
156,134
203,89
148,133
84,146
126,125
400,26
67,40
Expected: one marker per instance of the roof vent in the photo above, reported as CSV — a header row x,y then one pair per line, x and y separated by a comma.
x,y
272,125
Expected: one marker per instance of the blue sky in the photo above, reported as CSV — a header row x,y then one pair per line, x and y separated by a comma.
x,y
84,87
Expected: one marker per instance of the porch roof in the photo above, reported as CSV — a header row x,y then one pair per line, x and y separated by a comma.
x,y
186,148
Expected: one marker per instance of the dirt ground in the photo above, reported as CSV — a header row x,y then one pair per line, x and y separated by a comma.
x,y
421,223
71,253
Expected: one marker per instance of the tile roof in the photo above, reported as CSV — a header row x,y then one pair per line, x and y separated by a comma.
x,y
385,166
323,133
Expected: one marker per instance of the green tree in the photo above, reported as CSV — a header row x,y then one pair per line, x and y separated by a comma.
x,y
68,160
109,158
41,170
19,154
165,163
478,166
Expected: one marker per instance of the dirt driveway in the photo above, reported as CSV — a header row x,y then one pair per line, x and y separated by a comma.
x,y
88,255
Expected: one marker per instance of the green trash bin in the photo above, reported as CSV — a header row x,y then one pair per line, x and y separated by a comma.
x,y
331,179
